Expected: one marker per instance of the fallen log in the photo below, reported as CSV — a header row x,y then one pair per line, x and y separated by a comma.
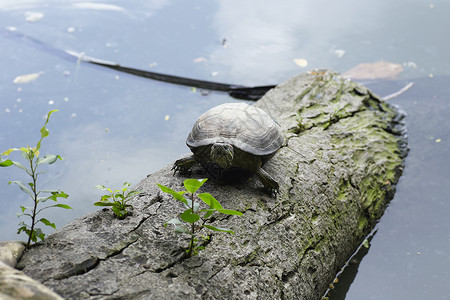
x,y
344,152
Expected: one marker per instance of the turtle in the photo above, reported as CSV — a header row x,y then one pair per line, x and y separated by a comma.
x,y
233,140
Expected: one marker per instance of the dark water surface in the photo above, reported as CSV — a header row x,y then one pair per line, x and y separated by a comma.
x,y
114,127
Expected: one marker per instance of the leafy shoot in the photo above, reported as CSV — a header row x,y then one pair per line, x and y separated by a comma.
x,y
33,160
117,199
193,219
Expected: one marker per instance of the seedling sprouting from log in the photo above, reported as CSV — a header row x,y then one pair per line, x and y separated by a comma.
x,y
194,219
117,199
33,160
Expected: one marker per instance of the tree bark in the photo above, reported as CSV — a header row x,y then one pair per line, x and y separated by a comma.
x,y
344,152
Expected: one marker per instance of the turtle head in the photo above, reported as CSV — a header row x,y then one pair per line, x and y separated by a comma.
x,y
222,154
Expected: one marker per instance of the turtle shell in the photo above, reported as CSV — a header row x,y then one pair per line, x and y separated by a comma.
x,y
246,127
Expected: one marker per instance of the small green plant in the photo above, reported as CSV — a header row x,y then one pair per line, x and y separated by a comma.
x,y
117,199
333,117
34,160
300,123
194,219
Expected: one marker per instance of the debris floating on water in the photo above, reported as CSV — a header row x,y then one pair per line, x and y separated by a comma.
x,y
98,6
199,59
398,93
339,52
301,62
32,16
378,70
410,64
22,79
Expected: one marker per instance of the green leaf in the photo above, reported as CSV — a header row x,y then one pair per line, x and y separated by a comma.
x,y
29,215
19,165
8,152
22,187
119,205
65,206
218,229
192,185
23,208
48,223
6,163
181,229
48,191
103,204
55,195
32,234
60,194
132,193
179,226
117,196
38,233
125,186
174,221
119,211
44,131
208,214
105,197
23,228
210,200
189,217
100,187
176,195
48,159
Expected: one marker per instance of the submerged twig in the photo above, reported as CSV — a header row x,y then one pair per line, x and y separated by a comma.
x,y
399,92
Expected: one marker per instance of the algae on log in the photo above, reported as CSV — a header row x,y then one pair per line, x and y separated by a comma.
x,y
343,155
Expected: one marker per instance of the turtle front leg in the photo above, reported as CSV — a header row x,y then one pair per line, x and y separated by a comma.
x,y
184,164
269,183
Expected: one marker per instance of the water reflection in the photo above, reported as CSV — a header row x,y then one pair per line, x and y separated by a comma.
x,y
262,45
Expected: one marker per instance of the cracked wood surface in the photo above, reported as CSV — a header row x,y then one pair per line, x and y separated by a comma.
x,y
343,155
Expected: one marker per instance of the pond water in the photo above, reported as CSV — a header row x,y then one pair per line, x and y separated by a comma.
x,y
114,127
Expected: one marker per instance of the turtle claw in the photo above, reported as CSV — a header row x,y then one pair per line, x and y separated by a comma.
x,y
183,165
272,191
270,185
